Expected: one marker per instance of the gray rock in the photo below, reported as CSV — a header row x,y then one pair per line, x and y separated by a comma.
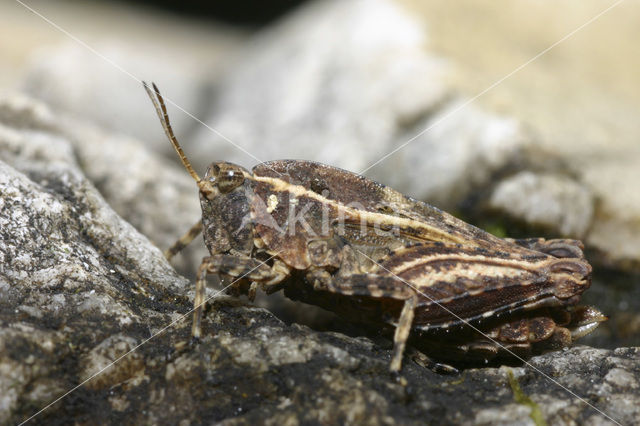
x,y
333,82
595,375
546,200
81,289
347,83
71,269
588,118
140,185
616,226
106,95
97,76
324,85
452,153
154,194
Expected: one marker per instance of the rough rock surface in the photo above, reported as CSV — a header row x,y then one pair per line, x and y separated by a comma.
x,y
147,190
81,288
73,272
152,193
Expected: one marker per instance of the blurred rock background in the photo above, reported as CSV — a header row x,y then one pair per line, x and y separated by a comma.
x,y
551,150
346,84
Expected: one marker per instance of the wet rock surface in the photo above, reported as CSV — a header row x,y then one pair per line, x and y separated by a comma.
x,y
82,288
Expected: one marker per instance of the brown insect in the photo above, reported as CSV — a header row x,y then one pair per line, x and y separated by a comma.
x,y
338,240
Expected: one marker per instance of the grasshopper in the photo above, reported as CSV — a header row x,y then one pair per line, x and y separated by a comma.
x,y
338,240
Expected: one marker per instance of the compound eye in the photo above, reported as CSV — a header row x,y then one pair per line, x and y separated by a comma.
x,y
229,179
213,171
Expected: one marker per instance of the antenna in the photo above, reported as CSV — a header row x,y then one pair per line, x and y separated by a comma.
x,y
161,110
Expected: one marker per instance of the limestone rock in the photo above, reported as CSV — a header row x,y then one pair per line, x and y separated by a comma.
x,y
333,82
616,228
86,301
348,83
453,152
142,186
546,200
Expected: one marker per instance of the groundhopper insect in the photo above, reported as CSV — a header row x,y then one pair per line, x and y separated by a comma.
x,y
338,240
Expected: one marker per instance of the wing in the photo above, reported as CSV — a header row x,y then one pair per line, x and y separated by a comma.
x,y
412,220
455,283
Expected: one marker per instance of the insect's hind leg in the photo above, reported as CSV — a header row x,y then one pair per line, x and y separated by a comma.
x,y
184,241
561,248
402,333
374,286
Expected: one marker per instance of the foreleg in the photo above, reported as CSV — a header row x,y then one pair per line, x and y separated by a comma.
x,y
184,241
238,268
